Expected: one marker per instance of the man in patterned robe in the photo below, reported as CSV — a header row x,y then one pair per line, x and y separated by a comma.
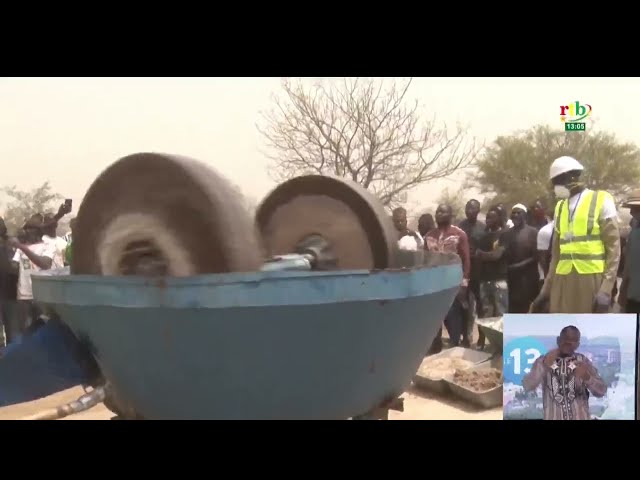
x,y
567,377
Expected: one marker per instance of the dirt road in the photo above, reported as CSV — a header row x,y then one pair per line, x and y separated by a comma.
x,y
417,406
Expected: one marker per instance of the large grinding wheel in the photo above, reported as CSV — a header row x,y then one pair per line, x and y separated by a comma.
x,y
351,221
157,214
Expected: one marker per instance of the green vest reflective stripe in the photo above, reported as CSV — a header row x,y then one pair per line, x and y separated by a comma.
x,y
581,247
68,253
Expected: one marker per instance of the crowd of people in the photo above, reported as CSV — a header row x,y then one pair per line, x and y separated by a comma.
x,y
527,260
535,260
36,247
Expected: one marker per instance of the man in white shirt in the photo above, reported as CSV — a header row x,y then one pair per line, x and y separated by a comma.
x,y
544,249
31,256
399,218
50,230
50,233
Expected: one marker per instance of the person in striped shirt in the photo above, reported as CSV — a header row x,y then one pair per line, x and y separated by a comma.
x,y
447,238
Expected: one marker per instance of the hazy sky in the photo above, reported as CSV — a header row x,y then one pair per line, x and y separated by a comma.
x,y
617,325
67,130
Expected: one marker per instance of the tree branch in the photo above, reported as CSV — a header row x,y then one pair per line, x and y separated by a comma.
x,y
360,130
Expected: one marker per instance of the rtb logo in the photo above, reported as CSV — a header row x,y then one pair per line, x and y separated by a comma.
x,y
574,115
575,112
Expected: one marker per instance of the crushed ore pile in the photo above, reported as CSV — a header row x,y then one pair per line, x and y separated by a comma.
x,y
478,381
439,368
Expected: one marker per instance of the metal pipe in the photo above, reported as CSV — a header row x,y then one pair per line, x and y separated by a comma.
x,y
85,402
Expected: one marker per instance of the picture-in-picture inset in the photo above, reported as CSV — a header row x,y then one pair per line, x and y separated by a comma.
x,y
570,367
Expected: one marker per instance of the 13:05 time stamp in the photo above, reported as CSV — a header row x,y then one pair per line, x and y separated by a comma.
x,y
575,127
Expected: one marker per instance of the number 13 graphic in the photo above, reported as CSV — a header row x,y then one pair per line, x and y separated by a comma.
x,y
519,356
531,354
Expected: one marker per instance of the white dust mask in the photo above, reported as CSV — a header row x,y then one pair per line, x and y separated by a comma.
x,y
561,191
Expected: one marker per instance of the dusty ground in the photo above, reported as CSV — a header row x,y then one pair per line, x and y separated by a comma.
x,y
425,406
21,410
418,405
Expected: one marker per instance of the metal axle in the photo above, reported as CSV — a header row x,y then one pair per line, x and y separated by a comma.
x,y
312,253
293,261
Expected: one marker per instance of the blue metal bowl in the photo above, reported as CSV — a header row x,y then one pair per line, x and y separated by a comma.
x,y
263,345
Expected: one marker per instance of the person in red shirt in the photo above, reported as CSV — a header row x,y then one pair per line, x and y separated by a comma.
x,y
447,238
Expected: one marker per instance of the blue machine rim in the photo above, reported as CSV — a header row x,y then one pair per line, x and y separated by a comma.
x,y
236,290
367,350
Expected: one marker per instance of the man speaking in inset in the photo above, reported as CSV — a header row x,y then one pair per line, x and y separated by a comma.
x,y
567,377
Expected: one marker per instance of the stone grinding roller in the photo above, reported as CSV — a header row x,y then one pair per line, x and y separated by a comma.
x,y
158,214
337,221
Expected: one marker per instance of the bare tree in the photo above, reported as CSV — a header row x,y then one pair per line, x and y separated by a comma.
x,y
23,204
358,129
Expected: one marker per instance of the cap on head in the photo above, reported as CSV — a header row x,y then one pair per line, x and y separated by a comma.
x,y
563,165
633,199
519,206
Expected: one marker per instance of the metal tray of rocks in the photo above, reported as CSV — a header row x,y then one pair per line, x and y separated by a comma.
x,y
423,381
490,398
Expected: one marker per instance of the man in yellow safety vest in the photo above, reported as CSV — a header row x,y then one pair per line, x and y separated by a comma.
x,y
585,245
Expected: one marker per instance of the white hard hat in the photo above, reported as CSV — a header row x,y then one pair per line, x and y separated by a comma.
x,y
563,165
